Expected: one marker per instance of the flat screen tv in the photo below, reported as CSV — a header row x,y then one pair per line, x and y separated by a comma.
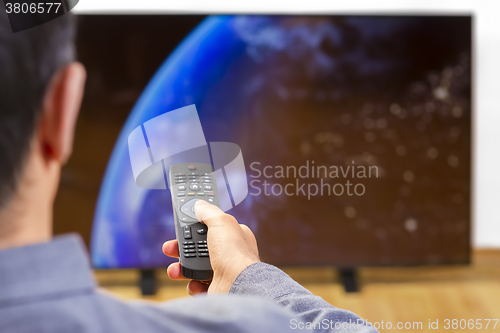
x,y
355,131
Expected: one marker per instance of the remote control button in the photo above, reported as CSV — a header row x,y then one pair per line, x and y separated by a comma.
x,y
188,208
181,194
187,233
207,181
191,194
210,199
205,174
194,187
190,251
207,187
180,181
200,194
201,231
202,242
190,246
180,176
181,187
188,243
202,250
206,177
190,255
202,246
210,194
203,254
191,167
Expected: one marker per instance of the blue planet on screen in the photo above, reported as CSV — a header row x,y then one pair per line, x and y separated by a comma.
x,y
333,90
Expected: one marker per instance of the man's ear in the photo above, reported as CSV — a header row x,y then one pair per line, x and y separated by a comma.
x,y
60,109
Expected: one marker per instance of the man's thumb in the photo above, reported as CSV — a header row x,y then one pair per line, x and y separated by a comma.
x,y
206,212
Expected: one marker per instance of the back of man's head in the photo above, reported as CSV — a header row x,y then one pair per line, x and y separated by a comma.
x,y
28,61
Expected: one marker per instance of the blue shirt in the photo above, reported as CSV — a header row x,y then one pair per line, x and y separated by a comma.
x,y
50,287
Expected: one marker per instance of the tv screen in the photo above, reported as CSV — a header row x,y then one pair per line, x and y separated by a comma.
x,y
355,131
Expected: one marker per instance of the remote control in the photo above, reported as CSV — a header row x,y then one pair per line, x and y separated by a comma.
x,y
190,182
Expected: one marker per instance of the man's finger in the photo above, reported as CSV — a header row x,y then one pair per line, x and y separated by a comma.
x,y
196,287
174,271
171,248
208,213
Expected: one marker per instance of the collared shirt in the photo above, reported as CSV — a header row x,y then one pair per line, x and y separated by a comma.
x,y
49,287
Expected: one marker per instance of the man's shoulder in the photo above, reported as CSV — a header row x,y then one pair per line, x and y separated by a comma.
x,y
217,313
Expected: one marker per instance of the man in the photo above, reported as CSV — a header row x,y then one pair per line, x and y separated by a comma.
x,y
46,284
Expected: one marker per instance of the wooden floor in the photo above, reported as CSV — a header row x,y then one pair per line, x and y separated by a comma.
x,y
406,295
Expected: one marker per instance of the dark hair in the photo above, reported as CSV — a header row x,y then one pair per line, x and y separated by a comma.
x,y
28,60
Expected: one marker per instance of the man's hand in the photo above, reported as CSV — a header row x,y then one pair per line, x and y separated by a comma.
x,y
232,248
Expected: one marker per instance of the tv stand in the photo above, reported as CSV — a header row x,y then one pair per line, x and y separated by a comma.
x,y
349,280
148,282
